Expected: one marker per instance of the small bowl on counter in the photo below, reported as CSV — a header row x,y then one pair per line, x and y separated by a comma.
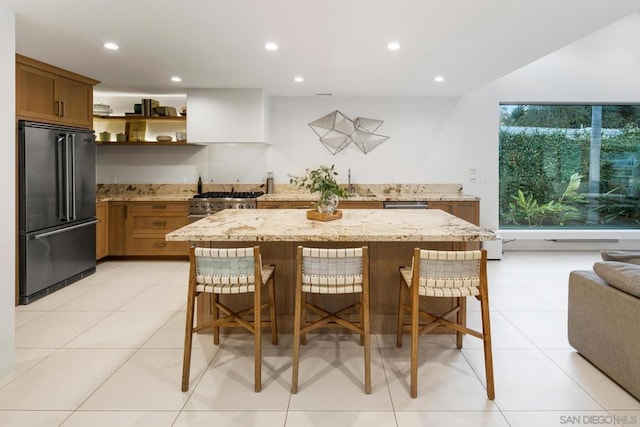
x,y
163,138
181,136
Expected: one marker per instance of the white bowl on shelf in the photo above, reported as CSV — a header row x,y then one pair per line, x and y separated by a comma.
x,y
163,138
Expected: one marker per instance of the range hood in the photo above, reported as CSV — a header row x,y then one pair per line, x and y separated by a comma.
x,y
227,115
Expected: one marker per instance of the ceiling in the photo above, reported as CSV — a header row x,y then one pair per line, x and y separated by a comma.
x,y
338,46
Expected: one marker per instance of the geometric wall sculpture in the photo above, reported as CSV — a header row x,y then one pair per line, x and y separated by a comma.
x,y
336,131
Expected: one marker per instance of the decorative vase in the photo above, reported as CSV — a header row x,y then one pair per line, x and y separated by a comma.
x,y
328,205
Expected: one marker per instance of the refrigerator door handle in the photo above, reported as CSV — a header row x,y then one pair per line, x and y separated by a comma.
x,y
62,230
72,181
67,178
62,177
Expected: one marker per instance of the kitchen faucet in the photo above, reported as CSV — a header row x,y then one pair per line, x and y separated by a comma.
x,y
349,186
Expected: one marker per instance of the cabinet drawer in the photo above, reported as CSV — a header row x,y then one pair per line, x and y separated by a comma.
x,y
156,245
160,207
157,223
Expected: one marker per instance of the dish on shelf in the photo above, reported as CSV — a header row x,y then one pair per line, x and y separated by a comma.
x,y
102,110
163,138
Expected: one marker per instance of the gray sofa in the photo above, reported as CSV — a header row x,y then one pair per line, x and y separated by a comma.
x,y
604,317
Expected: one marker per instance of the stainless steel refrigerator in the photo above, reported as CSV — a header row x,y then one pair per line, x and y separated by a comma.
x,y
57,207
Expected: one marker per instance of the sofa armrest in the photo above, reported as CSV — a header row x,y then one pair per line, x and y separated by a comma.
x,y
603,326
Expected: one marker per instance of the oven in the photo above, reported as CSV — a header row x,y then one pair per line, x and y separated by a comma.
x,y
413,204
205,204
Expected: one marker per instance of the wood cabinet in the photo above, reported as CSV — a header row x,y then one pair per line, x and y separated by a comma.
x,y
50,94
117,228
148,222
467,210
102,230
138,228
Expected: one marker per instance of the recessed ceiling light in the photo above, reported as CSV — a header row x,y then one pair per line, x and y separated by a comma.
x,y
393,46
271,46
438,79
298,79
111,46
176,79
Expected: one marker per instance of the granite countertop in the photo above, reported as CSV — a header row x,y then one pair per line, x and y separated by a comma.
x,y
359,225
284,192
143,198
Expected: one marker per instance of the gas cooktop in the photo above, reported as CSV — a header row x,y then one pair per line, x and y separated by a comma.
x,y
213,201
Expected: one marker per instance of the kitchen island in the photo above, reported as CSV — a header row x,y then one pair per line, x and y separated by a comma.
x,y
390,234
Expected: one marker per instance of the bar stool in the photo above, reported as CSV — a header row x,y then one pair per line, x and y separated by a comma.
x,y
230,271
331,272
445,274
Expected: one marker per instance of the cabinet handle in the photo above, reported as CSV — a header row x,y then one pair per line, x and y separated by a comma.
x,y
159,207
61,108
126,211
56,108
159,223
303,207
159,245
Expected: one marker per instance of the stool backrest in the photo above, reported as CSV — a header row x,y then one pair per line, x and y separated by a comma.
x,y
449,269
332,266
227,266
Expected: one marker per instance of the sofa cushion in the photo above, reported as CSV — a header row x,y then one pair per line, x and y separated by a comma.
x,y
620,275
632,257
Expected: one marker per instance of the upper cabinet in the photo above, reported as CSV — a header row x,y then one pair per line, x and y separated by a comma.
x,y
53,95
228,115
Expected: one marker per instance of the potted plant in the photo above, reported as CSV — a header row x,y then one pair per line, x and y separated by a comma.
x,y
322,180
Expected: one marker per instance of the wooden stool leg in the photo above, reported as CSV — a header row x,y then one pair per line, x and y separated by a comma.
x,y
401,301
272,310
188,339
296,337
461,319
364,304
216,315
415,306
303,317
488,355
257,343
361,341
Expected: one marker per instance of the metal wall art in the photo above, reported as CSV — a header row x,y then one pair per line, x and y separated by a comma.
x,y
336,131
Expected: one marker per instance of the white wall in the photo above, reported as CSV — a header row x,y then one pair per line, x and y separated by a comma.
x,y
7,191
600,68
433,139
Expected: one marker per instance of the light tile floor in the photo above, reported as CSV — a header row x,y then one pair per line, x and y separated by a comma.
x,y
107,351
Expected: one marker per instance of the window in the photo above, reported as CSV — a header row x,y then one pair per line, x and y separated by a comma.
x,y
569,166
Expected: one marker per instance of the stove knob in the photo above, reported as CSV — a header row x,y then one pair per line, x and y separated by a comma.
x,y
229,206
196,205
219,206
240,206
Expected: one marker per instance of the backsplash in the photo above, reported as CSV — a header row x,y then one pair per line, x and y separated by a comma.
x,y
188,190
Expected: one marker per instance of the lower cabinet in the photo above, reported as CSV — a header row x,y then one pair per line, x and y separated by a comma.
x,y
139,228
102,230
148,222
469,211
